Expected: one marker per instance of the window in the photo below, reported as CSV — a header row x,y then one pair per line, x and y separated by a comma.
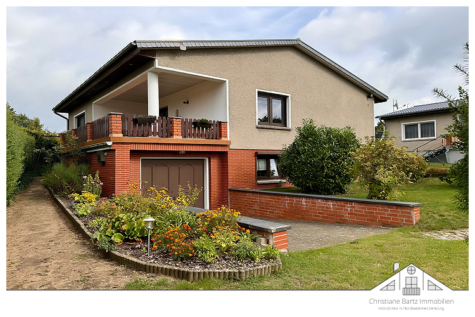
x,y
419,130
271,109
411,282
80,119
266,167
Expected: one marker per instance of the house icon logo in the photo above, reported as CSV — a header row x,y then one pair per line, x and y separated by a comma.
x,y
411,281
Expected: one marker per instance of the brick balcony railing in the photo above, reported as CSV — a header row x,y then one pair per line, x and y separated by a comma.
x,y
127,125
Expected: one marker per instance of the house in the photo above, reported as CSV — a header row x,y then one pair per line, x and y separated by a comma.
x,y
419,128
254,93
411,281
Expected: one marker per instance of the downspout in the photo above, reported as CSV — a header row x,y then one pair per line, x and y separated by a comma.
x,y
67,120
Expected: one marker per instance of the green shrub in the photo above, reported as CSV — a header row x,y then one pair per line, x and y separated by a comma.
x,y
318,161
436,172
271,252
205,249
20,148
245,249
224,239
38,150
383,166
66,178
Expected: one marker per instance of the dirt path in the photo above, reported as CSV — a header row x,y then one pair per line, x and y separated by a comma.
x,y
45,251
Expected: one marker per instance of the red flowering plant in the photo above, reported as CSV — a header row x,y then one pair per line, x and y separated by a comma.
x,y
178,242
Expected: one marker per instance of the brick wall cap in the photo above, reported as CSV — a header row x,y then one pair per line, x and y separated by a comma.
x,y
253,223
263,225
116,113
347,199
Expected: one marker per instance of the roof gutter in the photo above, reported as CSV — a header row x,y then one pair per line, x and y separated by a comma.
x,y
412,114
67,120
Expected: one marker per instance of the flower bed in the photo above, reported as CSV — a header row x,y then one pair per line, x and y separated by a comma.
x,y
208,241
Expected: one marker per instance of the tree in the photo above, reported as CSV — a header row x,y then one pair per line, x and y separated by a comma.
x,y
318,161
379,126
458,173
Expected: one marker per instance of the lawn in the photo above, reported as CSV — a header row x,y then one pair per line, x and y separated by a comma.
x,y
361,264
364,263
438,165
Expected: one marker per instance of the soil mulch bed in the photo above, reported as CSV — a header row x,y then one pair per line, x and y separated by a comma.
x,y
134,249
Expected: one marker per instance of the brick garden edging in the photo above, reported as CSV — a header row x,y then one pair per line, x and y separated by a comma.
x,y
319,208
181,273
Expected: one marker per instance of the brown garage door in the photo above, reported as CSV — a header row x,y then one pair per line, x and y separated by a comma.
x,y
171,173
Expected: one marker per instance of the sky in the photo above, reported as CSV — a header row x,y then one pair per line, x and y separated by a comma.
x,y
403,52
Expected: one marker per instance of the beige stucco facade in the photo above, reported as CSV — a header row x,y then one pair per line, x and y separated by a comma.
x,y
442,120
315,91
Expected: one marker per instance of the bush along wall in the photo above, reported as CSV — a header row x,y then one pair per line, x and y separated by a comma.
x,y
318,161
31,151
18,144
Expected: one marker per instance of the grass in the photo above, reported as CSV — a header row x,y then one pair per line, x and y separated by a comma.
x,y
349,266
434,164
365,263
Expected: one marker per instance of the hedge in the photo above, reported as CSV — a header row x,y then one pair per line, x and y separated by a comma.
x,y
19,143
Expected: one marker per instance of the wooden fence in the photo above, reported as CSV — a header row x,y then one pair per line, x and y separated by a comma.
x,y
189,129
160,128
81,133
100,128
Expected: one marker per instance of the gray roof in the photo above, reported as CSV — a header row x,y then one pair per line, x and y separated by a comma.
x,y
134,48
418,110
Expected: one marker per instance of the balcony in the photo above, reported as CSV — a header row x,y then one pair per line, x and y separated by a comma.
x,y
118,125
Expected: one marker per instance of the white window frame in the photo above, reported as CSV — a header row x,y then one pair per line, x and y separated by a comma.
x,y
77,115
403,130
287,108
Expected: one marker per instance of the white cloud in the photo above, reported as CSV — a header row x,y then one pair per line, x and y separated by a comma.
x,y
403,52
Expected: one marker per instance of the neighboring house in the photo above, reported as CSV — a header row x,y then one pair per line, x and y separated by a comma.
x,y
419,128
255,92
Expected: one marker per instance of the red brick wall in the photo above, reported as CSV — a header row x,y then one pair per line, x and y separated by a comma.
x,y
320,210
218,189
106,172
277,239
242,170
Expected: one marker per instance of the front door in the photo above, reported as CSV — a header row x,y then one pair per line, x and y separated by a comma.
x,y
172,173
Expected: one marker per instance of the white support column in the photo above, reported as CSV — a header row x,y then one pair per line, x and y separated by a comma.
x,y
153,93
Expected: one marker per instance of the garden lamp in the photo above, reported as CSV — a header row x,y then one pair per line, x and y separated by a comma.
x,y
149,225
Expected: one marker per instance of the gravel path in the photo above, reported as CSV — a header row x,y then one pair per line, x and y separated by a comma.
x,y
45,251
314,235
